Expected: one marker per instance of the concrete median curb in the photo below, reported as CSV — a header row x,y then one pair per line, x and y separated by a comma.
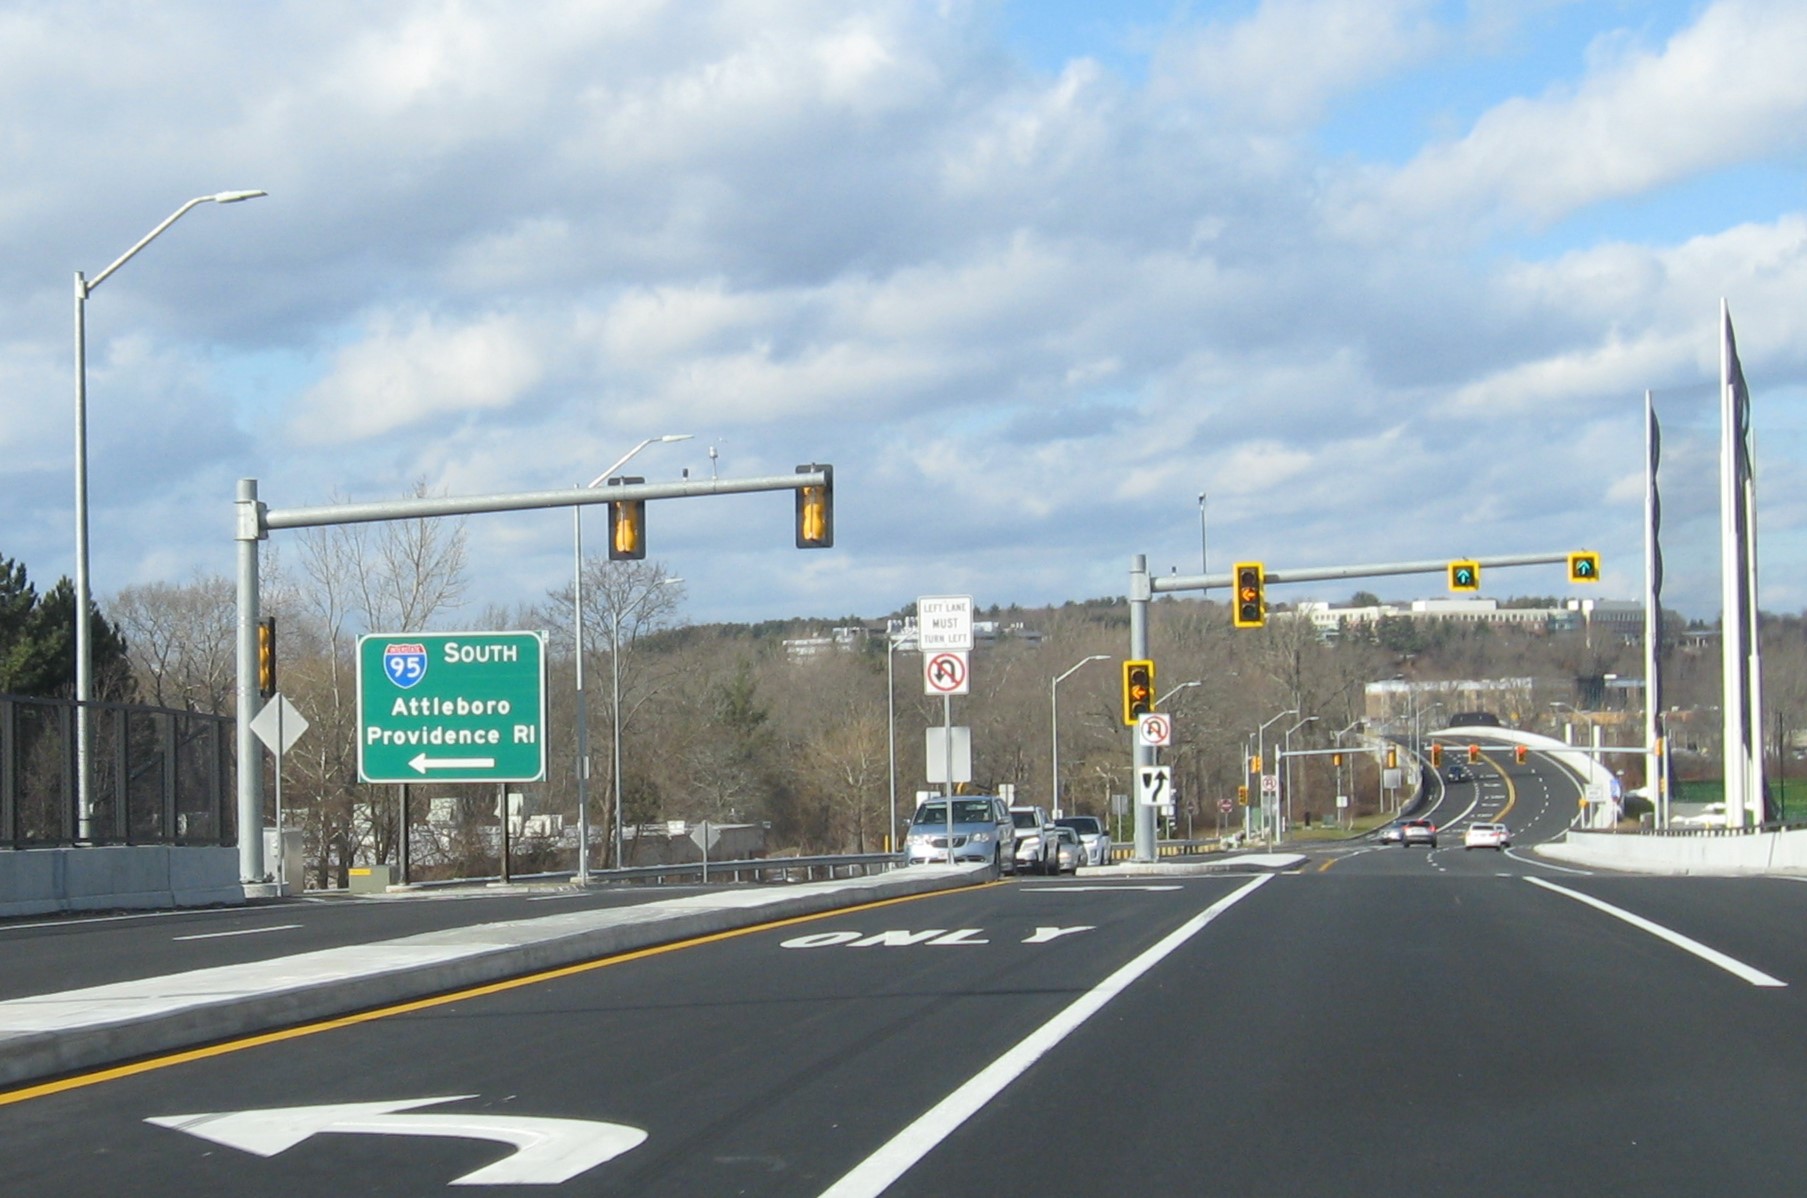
x,y
46,1035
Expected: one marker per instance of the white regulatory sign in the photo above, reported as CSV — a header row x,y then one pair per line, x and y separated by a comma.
x,y
1154,729
946,673
944,622
1154,785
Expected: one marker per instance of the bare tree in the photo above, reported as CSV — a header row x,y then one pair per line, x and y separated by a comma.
x,y
180,641
349,579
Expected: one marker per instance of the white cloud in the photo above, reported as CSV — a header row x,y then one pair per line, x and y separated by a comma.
x,y
1720,92
408,370
1028,318
1282,66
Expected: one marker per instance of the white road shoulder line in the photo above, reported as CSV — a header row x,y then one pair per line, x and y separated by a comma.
x,y
874,1174
1736,968
281,927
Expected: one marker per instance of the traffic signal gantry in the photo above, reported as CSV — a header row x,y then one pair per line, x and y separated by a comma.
x,y
1249,580
814,507
255,521
1138,690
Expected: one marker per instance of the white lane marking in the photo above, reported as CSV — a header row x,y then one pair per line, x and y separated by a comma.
x,y
1755,977
547,1151
871,1176
1538,861
281,927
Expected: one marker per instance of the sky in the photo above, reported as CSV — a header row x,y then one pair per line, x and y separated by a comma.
x,y
1382,280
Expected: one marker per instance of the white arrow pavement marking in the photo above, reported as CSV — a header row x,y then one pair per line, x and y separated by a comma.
x,y
547,1151
422,763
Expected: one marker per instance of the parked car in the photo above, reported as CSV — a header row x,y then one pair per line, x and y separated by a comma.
x,y
1069,853
1092,835
1034,840
1418,831
1486,836
983,831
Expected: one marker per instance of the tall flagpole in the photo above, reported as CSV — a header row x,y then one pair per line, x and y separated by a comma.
x,y
1656,773
1743,794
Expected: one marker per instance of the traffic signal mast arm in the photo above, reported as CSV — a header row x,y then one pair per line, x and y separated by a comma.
x,y
1166,583
270,519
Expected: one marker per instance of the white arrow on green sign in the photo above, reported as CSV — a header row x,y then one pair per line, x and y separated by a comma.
x,y
452,706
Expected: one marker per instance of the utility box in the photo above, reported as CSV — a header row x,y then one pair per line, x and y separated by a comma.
x,y
369,879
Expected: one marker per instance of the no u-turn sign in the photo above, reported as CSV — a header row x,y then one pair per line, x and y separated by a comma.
x,y
946,673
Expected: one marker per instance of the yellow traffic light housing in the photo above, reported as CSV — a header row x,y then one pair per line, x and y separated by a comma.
x,y
1255,764
1138,690
266,656
1436,753
1584,567
1242,796
1392,757
1518,754
1465,576
815,510
627,526
1474,753
1248,607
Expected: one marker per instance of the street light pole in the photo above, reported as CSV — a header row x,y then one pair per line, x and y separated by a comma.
x,y
1259,732
84,646
615,670
894,640
1054,726
1287,756
577,636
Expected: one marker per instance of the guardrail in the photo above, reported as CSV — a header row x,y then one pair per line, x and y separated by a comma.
x,y
1169,848
756,869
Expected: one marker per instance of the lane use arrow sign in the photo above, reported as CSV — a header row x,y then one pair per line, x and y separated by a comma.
x,y
547,1151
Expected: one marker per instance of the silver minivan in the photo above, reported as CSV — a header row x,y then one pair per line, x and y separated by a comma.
x,y
982,831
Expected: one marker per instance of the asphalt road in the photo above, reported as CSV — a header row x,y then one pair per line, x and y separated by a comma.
x,y
1382,1021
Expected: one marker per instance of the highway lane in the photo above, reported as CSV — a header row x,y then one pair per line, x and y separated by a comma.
x,y
1369,1025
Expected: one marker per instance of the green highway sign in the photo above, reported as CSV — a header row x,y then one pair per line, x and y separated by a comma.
x,y
452,707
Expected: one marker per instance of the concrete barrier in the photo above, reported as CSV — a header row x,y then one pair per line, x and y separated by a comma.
x,y
117,877
1708,853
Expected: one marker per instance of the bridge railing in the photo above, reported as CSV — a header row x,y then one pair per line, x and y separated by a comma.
x,y
160,775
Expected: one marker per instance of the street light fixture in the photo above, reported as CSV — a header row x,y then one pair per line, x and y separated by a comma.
x,y
84,647
1054,724
1176,690
577,634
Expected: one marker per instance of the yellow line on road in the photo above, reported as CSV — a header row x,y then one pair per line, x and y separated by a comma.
x,y
183,1057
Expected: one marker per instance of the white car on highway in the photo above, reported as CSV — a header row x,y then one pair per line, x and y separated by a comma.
x,y
1487,836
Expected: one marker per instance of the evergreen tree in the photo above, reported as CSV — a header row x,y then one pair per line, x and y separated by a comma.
x,y
37,642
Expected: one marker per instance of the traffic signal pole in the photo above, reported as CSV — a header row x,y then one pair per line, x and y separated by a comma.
x,y
255,520
1140,592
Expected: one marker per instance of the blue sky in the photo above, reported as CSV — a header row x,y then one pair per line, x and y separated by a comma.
x,y
1386,278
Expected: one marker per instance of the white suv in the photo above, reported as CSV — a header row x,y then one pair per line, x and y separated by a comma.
x,y
1035,847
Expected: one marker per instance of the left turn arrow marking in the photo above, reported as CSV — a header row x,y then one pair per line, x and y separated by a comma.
x,y
547,1151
